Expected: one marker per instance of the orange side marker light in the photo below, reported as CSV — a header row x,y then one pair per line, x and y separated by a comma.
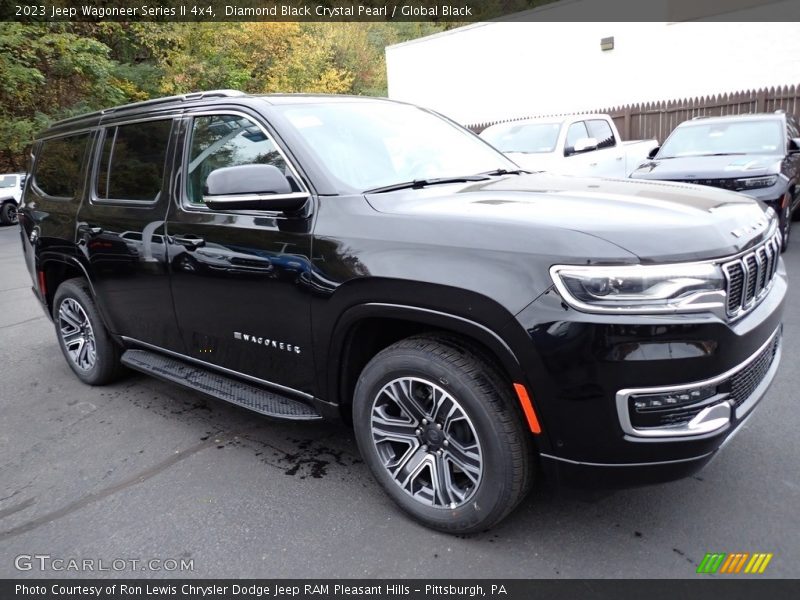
x,y
527,407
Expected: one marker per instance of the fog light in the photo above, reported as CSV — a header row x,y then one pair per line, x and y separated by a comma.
x,y
666,401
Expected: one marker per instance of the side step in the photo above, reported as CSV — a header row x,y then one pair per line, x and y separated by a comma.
x,y
218,386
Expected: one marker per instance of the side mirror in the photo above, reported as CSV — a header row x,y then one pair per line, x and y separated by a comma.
x,y
584,145
794,145
652,154
251,187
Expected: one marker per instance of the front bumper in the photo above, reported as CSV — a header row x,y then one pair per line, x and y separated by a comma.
x,y
586,372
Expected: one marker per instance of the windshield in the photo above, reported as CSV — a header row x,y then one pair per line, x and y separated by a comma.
x,y
738,137
529,138
366,145
7,181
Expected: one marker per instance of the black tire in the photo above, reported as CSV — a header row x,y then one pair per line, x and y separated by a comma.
x,y
96,360
8,214
492,427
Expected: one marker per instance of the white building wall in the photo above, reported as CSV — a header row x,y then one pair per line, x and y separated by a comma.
x,y
491,71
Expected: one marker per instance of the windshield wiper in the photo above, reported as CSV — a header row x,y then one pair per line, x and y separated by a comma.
x,y
722,154
421,183
506,172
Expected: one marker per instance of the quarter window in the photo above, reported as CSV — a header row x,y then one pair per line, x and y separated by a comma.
x,y
227,141
132,161
59,165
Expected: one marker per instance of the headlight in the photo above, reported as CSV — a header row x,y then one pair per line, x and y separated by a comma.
x,y
641,288
753,183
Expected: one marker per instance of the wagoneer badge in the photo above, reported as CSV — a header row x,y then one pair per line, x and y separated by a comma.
x,y
262,341
760,224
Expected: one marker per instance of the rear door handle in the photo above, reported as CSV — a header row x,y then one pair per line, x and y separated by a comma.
x,y
189,242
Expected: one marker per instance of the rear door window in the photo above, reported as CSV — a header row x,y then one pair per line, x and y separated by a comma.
x,y
58,166
132,161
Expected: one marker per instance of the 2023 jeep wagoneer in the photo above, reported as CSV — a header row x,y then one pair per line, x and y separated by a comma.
x,y
316,257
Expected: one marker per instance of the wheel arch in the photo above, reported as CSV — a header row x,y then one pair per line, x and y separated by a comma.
x,y
367,328
57,269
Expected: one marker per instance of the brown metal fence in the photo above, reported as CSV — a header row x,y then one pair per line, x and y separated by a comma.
x,y
658,119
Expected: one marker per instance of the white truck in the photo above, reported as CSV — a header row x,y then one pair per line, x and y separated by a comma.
x,y
584,145
10,193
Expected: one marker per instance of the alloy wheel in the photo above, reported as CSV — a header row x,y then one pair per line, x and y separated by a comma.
x,y
426,442
77,334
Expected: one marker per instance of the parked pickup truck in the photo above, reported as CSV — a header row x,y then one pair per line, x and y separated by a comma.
x,y
10,193
310,257
585,145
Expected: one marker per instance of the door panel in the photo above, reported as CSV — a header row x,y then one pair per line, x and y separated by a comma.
x,y
236,276
121,231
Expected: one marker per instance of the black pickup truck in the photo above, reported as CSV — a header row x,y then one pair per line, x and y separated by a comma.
x,y
348,258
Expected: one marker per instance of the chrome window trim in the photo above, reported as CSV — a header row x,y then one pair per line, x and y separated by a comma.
x,y
240,197
623,395
186,204
97,159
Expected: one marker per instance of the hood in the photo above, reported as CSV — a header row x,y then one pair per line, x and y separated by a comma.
x,y
656,221
687,168
535,161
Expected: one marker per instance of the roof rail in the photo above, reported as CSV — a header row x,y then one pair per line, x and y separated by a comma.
x,y
181,97
780,111
154,102
694,118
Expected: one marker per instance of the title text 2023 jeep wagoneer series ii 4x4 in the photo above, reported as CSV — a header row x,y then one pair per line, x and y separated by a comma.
x,y
316,257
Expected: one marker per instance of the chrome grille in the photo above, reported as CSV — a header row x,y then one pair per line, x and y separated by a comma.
x,y
749,276
725,184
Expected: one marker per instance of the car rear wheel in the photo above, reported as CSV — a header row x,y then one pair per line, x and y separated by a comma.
x,y
87,346
438,427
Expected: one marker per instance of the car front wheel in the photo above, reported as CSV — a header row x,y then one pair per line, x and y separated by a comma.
x,y
438,427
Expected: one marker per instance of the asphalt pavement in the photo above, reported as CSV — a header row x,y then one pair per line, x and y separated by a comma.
x,y
145,471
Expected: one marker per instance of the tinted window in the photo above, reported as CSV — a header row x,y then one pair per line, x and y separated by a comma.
x,y
58,165
227,141
601,131
575,132
132,161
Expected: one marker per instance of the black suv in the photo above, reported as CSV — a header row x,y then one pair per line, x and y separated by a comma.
x,y
314,257
758,155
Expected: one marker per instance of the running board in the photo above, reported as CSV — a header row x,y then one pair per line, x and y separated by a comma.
x,y
218,386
